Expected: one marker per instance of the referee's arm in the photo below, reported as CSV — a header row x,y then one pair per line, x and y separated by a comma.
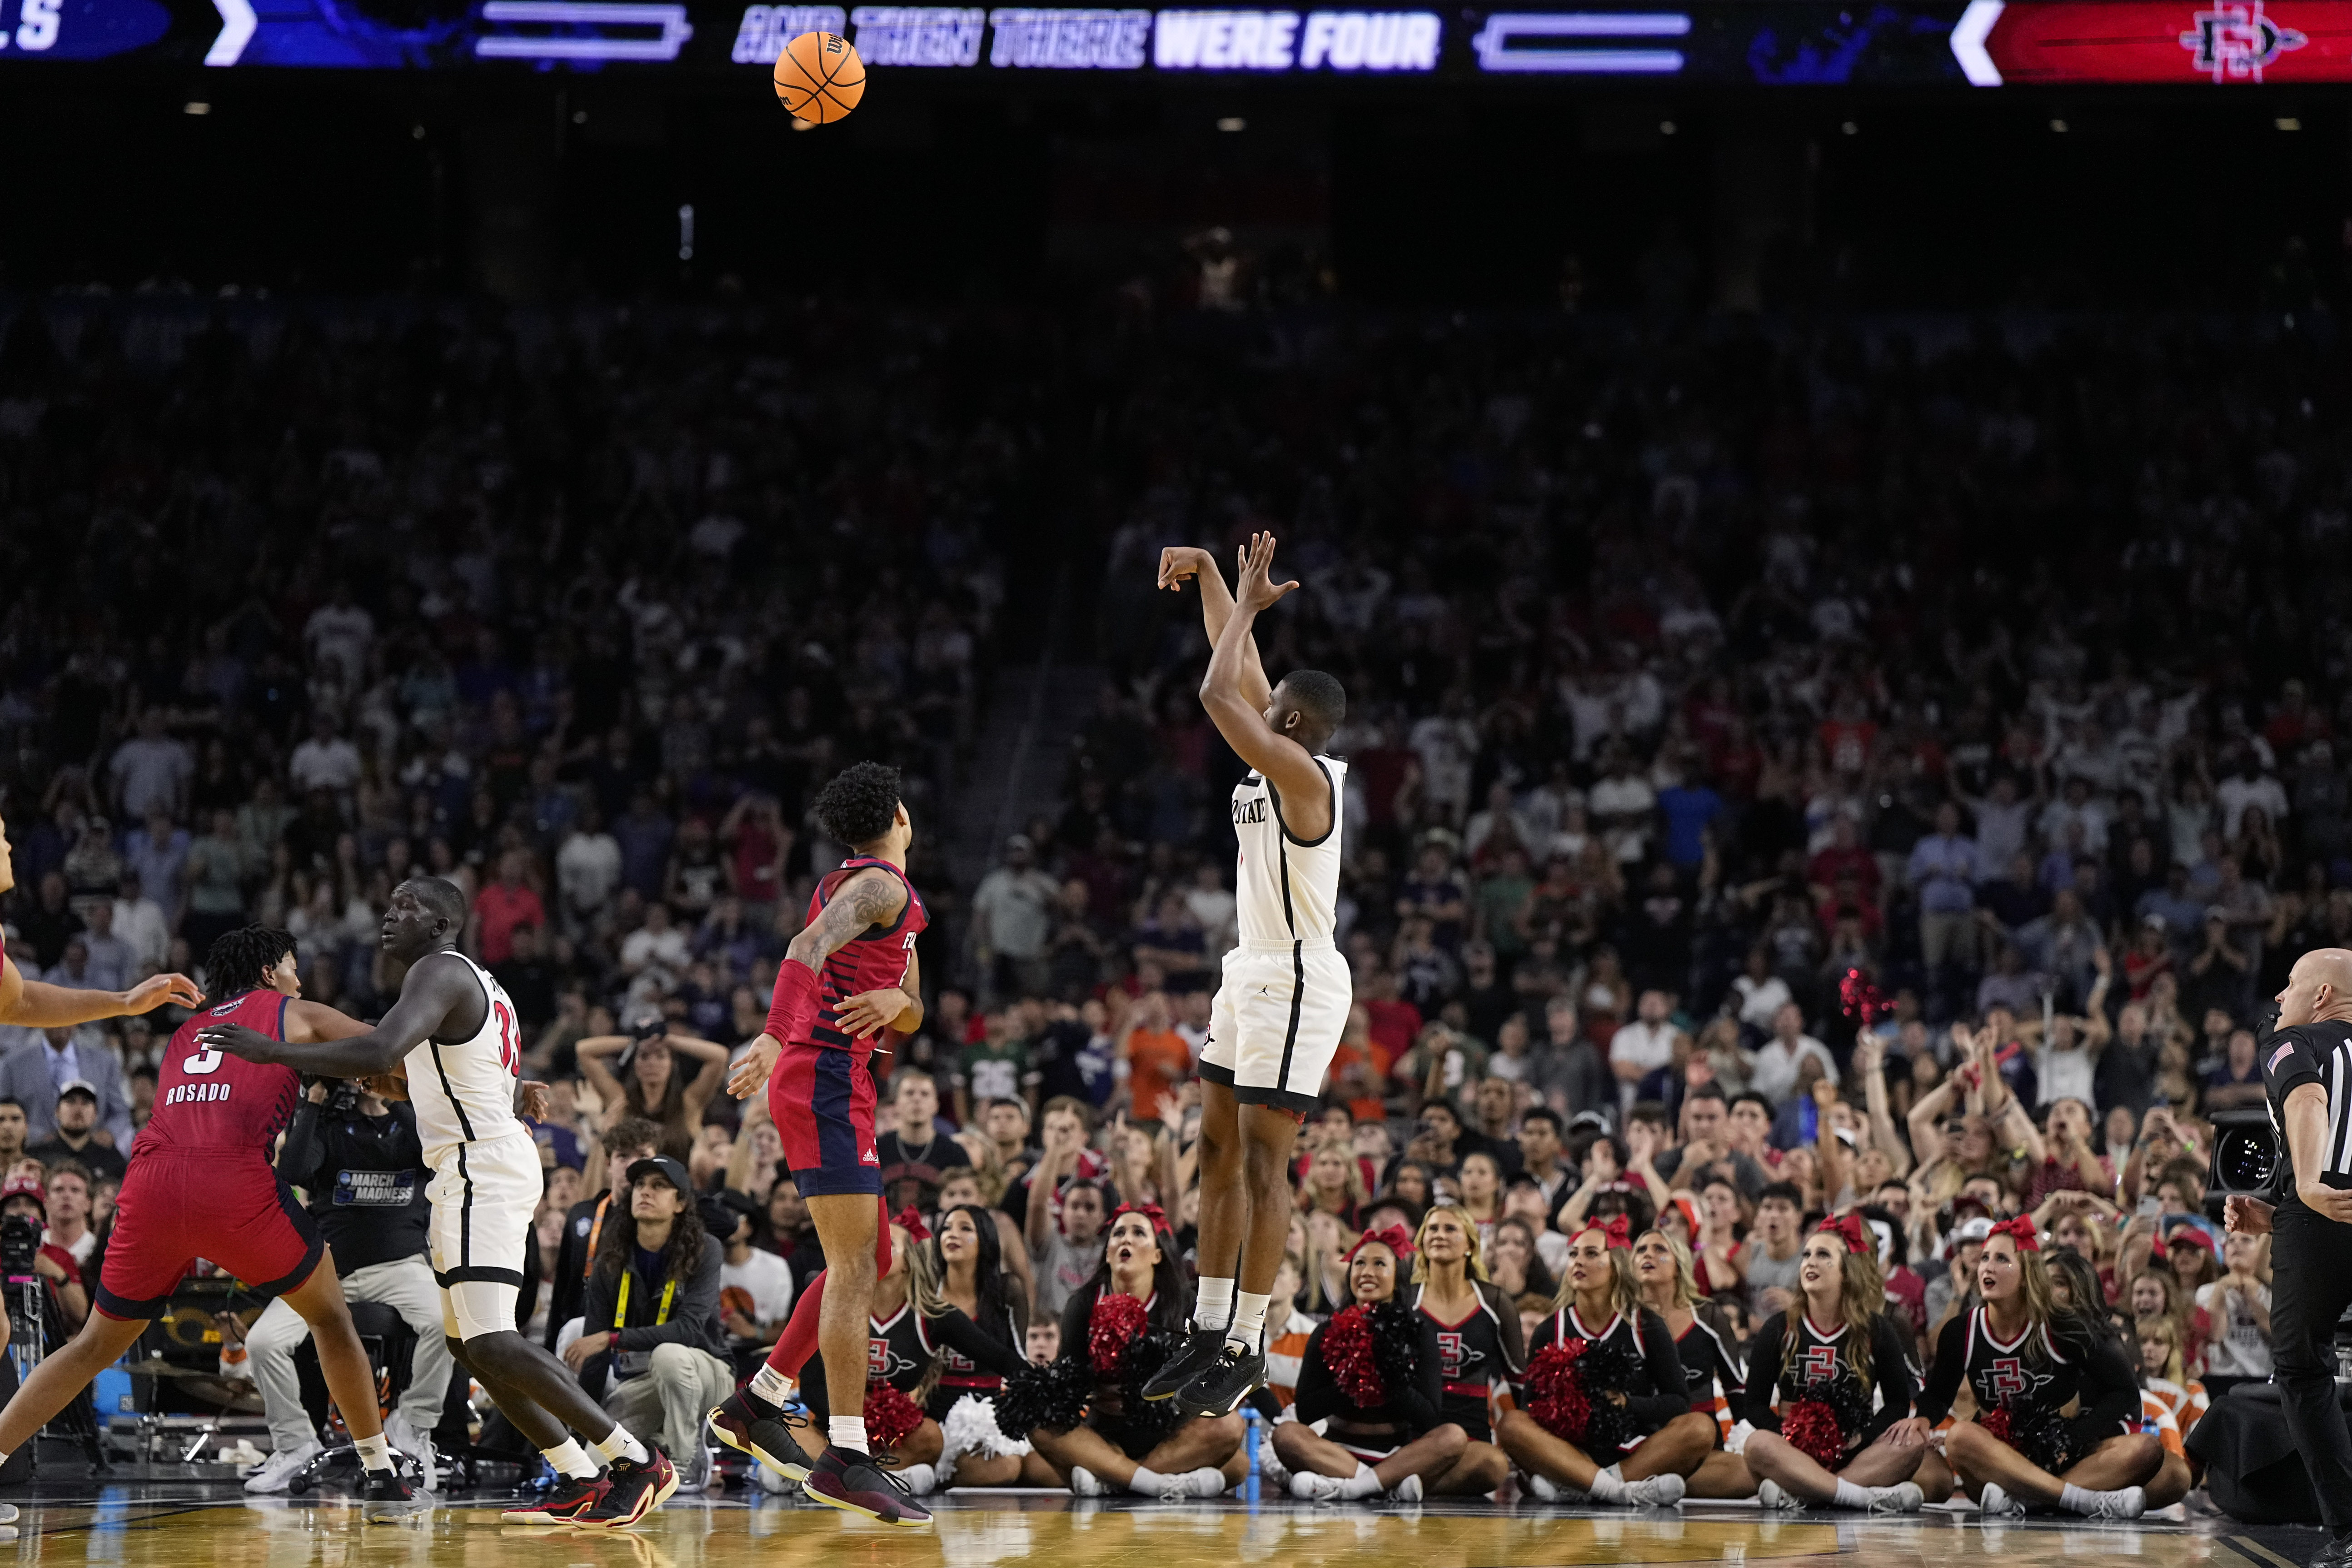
x,y
2307,1127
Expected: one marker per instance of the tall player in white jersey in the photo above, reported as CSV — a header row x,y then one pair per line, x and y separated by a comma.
x,y
452,1036
1286,992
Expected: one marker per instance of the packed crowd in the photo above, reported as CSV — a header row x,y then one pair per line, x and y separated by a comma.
x,y
1793,779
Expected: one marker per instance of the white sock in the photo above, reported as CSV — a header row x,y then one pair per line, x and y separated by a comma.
x,y
374,1453
619,1445
1851,1495
2080,1499
845,1432
1212,1304
1609,1486
1146,1482
571,1460
1363,1483
772,1386
1249,1321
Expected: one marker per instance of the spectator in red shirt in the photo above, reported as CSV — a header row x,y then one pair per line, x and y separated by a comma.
x,y
22,1196
502,906
1844,855
1396,1023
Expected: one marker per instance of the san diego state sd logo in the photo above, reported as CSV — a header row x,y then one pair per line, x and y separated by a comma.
x,y
2233,43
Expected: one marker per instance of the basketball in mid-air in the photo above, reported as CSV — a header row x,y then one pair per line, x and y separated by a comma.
x,y
820,78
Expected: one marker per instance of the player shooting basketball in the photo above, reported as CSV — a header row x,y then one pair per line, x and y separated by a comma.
x,y
1285,993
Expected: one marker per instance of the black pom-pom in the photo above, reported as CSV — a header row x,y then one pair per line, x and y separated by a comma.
x,y
1053,1396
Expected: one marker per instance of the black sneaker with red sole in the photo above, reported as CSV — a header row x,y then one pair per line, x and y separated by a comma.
x,y
632,1490
741,1426
563,1505
860,1486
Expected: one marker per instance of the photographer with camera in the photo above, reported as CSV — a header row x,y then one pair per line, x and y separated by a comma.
x,y
361,1162
24,1216
2309,1220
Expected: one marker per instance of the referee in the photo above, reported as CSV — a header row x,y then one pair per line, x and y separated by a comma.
x,y
2305,1065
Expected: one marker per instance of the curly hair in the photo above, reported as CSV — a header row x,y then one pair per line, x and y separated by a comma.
x,y
857,806
241,960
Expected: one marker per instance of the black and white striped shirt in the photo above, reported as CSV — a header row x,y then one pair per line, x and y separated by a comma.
x,y
2318,1053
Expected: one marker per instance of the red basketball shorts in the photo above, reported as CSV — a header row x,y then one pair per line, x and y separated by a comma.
x,y
226,1206
822,1101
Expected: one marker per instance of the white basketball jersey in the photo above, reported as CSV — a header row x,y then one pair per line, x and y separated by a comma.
x,y
464,1090
1286,890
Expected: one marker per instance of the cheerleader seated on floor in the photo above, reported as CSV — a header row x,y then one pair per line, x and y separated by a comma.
x,y
1843,1434
1606,1416
1477,1341
2025,1360
1663,1269
911,1331
2074,1284
1086,1414
1372,1376
969,1318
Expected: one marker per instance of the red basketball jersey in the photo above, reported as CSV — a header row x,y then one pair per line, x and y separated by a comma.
x,y
876,959
209,1100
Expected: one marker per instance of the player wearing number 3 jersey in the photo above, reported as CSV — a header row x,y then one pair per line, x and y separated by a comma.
x,y
452,1036
200,1186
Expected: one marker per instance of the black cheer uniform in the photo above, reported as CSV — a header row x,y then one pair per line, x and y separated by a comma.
x,y
1477,1353
1373,1431
2311,1257
975,1357
2031,1378
1711,1368
1660,1389
1823,1369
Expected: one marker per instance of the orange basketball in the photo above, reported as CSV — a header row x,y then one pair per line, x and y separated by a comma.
x,y
820,77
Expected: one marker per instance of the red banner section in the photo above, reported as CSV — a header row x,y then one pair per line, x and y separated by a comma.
x,y
2226,42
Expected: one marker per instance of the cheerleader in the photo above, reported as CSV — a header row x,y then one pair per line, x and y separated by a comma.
x,y
1608,1410
2075,1285
1479,1343
1374,1376
897,1365
1115,1329
1837,1361
1663,1271
969,1318
2024,1360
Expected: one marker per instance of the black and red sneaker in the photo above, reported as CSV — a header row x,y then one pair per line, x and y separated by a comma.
x,y
632,1490
854,1483
563,1505
743,1425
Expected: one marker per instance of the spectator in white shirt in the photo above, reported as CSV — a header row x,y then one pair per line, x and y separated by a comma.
x,y
151,771
337,634
1447,743
1641,1047
1775,1077
140,920
2248,787
588,867
326,761
1760,992
1622,804
655,945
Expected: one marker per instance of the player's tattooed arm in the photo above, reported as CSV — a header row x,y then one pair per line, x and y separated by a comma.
x,y
869,898
437,998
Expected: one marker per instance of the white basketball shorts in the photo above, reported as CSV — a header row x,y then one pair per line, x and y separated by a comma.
x,y
483,1198
1276,1023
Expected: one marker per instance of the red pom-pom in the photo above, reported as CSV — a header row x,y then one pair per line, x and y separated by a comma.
x,y
1811,1427
1556,1394
890,1417
1996,1421
1348,1351
1116,1322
